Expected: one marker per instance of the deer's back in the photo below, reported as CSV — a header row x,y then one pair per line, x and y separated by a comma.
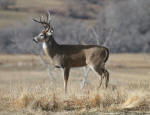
x,y
81,55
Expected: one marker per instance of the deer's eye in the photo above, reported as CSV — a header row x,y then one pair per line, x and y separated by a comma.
x,y
42,36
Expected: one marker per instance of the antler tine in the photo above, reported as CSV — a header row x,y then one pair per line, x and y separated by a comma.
x,y
41,18
42,21
49,16
46,17
47,21
36,20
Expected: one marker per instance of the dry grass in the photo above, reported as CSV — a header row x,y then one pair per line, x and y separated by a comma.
x,y
26,89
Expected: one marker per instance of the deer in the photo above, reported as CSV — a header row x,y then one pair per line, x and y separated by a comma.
x,y
70,56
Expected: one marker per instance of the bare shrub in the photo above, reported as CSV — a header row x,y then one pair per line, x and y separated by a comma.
x,y
80,9
70,31
18,39
122,26
129,20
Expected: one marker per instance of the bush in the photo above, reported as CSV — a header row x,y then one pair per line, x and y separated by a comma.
x,y
80,9
129,20
122,26
18,39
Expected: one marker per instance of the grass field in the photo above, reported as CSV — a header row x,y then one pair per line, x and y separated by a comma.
x,y
25,87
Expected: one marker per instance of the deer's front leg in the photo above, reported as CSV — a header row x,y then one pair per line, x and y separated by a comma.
x,y
66,76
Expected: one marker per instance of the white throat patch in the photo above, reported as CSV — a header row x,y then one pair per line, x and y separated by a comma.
x,y
44,46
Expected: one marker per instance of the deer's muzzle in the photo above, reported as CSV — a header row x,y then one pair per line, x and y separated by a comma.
x,y
35,40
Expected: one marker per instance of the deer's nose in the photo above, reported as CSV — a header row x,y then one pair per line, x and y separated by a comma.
x,y
35,40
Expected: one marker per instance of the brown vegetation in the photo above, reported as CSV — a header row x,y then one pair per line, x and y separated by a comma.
x,y
28,90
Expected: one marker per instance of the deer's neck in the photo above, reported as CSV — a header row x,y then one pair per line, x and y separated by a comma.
x,y
51,47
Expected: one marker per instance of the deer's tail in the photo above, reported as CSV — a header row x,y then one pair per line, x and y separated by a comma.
x,y
107,54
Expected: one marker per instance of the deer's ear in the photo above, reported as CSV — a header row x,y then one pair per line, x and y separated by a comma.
x,y
49,33
51,30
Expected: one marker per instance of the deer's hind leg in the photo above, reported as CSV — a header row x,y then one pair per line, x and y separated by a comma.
x,y
101,77
99,72
102,73
66,76
106,75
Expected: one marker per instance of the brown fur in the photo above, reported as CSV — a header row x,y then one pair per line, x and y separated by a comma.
x,y
69,56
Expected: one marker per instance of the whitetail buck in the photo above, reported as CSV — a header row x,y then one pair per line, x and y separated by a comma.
x,y
68,56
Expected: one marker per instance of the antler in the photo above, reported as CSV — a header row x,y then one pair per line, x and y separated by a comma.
x,y
45,23
48,17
